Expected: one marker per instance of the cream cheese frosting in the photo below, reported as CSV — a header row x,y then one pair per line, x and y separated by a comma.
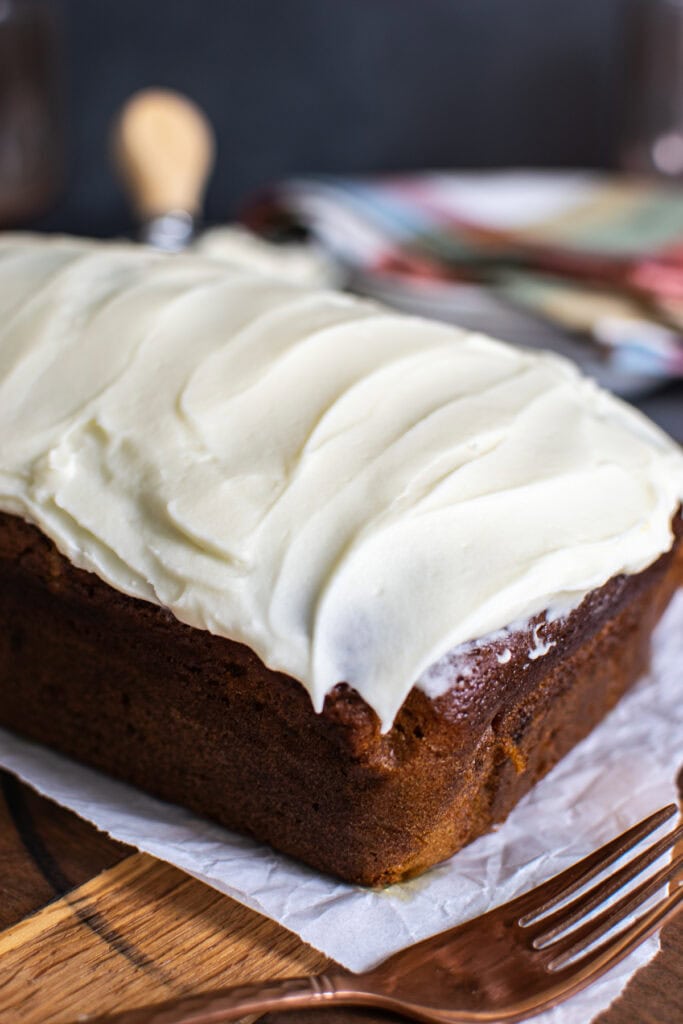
x,y
299,262
349,491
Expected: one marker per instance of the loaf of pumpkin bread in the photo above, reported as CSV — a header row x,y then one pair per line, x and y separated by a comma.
x,y
346,581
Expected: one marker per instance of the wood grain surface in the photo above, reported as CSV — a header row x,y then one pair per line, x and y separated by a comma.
x,y
89,925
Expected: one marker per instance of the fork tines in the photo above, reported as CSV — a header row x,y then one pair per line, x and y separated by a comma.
x,y
569,931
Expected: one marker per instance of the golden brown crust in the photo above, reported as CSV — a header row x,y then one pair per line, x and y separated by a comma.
x,y
197,719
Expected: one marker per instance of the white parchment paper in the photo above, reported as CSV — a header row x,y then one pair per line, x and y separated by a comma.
x,y
623,771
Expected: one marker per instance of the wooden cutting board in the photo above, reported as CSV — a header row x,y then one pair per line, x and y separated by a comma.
x,y
89,925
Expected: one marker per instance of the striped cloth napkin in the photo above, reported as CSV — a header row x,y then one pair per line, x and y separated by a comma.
x,y
599,256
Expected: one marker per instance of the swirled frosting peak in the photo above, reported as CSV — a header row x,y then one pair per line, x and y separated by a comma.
x,y
349,491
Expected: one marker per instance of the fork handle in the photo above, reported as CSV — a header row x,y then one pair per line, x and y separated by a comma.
x,y
233,1003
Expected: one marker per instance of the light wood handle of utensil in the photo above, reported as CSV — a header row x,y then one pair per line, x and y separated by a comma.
x,y
164,147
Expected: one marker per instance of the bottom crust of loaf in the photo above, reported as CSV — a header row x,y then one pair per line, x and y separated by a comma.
x,y
198,720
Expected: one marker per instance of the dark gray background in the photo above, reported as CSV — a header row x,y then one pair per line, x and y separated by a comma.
x,y
348,86
343,86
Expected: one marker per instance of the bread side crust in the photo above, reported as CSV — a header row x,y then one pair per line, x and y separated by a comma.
x,y
197,719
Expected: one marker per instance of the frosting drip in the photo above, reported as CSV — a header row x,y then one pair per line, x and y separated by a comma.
x,y
350,492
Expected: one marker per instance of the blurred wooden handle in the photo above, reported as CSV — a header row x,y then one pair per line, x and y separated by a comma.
x,y
164,147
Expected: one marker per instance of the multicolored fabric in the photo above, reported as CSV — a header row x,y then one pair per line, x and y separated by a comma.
x,y
601,256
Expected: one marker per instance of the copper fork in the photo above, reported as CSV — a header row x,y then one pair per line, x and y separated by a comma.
x,y
512,962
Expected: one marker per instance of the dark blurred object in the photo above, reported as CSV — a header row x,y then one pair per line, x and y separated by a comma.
x,y
30,121
653,123
342,88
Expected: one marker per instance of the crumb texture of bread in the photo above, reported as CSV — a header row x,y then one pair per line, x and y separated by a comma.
x,y
198,720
